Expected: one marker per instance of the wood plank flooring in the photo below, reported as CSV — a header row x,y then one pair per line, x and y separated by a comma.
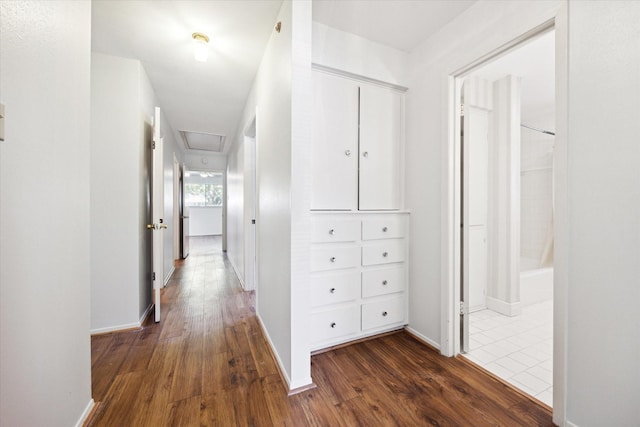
x,y
207,364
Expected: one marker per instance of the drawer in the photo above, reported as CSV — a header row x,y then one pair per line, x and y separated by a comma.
x,y
333,288
382,281
382,313
333,257
383,252
392,227
336,323
334,230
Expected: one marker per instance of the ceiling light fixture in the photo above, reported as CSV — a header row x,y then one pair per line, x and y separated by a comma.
x,y
200,46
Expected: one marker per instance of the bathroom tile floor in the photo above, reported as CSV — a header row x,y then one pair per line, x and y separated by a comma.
x,y
517,349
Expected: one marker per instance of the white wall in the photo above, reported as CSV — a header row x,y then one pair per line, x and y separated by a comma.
x,y
236,207
45,361
604,214
115,209
122,103
283,218
464,40
205,221
354,54
205,161
596,343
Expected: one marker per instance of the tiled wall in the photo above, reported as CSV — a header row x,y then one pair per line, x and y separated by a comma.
x,y
536,195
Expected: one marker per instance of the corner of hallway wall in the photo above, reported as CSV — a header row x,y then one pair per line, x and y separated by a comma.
x,y
45,352
116,145
273,134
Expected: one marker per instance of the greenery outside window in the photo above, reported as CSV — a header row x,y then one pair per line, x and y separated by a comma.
x,y
203,194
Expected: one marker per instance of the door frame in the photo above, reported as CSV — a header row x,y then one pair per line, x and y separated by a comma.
x,y
176,207
451,192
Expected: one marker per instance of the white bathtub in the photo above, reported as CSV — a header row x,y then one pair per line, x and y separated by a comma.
x,y
536,284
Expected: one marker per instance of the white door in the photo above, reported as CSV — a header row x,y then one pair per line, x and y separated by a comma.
x,y
157,206
334,161
380,133
475,187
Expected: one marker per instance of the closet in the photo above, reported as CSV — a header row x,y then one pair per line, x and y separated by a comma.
x,y
359,234
357,130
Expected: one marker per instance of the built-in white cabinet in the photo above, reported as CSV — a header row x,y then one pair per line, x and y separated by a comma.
x,y
357,144
358,275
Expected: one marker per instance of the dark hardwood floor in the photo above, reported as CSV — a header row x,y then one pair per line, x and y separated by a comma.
x,y
207,363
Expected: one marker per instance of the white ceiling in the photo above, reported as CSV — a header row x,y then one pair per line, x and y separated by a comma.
x,y
401,24
209,97
203,97
535,63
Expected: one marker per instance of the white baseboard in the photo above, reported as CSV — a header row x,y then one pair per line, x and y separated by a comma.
x,y
146,314
235,270
293,388
507,308
570,424
119,328
166,279
116,328
85,413
283,371
421,337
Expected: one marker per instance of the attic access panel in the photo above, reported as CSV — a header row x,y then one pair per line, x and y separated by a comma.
x,y
203,141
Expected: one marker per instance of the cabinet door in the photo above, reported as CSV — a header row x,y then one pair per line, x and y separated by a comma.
x,y
334,161
380,133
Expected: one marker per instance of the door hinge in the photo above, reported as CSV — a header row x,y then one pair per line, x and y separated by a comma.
x,y
462,313
153,145
153,275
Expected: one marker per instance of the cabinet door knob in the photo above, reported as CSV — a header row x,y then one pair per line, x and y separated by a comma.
x,y
347,152
333,290
332,231
384,282
385,254
365,154
384,313
332,259
384,229
333,325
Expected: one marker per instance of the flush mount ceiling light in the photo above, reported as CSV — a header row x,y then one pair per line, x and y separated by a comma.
x,y
200,46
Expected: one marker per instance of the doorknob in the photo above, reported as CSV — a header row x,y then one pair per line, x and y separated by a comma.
x,y
151,226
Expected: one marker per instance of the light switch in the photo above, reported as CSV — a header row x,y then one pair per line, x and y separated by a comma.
x,y
1,122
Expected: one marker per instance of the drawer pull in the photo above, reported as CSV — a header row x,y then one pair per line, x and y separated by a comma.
x,y
333,325
384,313
384,229
385,254
333,290
332,259
332,231
384,283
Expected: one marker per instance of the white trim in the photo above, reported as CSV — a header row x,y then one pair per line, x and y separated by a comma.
x,y
124,327
292,387
166,279
235,270
421,337
354,76
542,19
85,414
570,424
118,328
507,308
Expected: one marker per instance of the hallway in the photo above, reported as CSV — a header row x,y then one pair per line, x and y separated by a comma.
x,y
207,363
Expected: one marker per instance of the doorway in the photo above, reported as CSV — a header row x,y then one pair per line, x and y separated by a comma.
x,y
203,205
506,134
